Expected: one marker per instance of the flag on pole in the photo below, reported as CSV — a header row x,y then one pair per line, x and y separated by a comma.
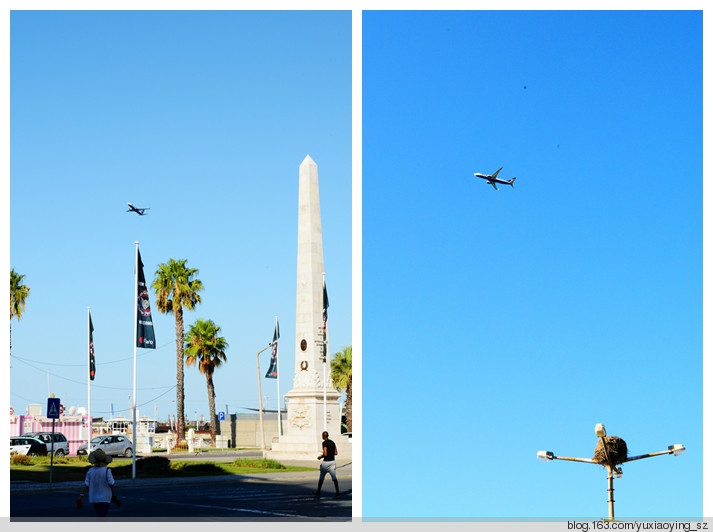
x,y
325,305
144,323
272,370
92,367
325,302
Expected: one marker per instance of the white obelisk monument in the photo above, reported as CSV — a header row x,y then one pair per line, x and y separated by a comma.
x,y
312,398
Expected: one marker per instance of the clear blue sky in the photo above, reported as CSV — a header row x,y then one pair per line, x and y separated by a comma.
x,y
500,323
205,118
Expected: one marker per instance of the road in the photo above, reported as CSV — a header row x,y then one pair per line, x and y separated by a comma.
x,y
259,497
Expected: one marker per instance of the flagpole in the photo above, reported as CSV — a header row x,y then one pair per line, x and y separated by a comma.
x,y
279,397
89,378
133,409
324,356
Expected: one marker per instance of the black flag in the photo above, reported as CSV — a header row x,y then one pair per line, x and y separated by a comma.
x,y
144,324
272,370
325,302
325,306
92,367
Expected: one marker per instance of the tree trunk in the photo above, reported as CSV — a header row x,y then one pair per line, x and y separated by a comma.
x,y
211,405
180,394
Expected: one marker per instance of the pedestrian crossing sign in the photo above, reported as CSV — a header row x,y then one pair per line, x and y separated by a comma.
x,y
53,408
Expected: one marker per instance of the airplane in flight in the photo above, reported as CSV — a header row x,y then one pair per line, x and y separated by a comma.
x,y
492,179
137,210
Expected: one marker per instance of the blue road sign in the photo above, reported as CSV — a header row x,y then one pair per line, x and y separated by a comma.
x,y
53,408
221,416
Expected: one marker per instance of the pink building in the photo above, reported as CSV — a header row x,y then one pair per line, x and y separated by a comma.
x,y
77,429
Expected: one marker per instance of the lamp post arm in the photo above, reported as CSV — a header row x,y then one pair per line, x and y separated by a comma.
x,y
649,455
573,459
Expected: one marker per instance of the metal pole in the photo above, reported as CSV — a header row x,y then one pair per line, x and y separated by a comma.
x,y
324,364
133,409
259,397
279,397
52,452
89,380
610,479
324,389
610,490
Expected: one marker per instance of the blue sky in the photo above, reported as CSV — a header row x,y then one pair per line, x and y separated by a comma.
x,y
500,323
205,118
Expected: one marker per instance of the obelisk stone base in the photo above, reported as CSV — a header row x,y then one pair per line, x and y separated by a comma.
x,y
305,422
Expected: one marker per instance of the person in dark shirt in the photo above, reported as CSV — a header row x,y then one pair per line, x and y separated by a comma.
x,y
328,465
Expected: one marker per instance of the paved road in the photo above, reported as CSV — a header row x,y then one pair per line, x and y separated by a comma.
x,y
260,497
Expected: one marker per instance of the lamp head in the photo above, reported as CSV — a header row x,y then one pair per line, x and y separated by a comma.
x,y
544,456
599,430
676,449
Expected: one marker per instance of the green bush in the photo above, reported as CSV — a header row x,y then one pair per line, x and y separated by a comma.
x,y
263,463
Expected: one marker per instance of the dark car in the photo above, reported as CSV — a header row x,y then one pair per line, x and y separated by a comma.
x,y
61,445
28,446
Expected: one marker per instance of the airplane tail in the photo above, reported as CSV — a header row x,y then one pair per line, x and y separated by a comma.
x,y
511,182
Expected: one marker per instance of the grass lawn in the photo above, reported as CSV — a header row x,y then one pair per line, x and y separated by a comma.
x,y
37,469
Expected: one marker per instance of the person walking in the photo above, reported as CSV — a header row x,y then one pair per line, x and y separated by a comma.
x,y
98,483
328,465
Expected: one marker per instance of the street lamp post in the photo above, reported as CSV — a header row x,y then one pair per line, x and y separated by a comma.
x,y
259,396
609,462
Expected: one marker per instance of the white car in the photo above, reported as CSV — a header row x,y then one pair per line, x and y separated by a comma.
x,y
28,446
112,444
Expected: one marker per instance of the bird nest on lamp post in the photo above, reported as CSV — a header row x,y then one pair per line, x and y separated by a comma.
x,y
615,446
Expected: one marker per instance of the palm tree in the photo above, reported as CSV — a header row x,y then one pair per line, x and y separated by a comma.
x,y
205,349
18,297
341,367
176,288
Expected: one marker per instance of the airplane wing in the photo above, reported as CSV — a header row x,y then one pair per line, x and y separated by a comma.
x,y
494,185
497,172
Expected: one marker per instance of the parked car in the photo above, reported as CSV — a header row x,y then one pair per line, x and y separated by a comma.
x,y
114,444
61,445
28,446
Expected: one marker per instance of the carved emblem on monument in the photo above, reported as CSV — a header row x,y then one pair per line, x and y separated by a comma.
x,y
300,417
